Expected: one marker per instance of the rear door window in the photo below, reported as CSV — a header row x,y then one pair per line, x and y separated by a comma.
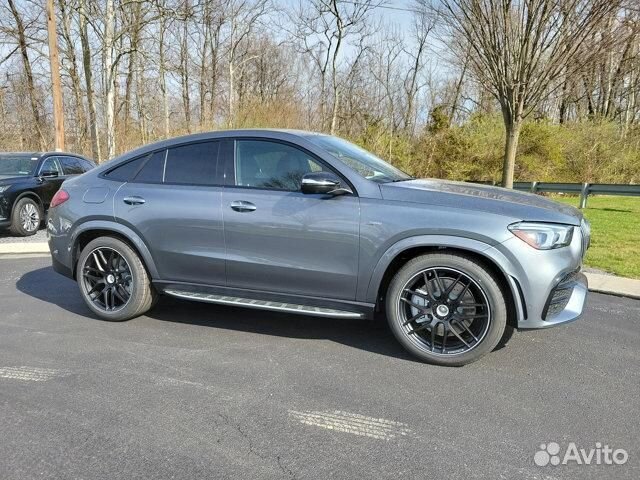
x,y
71,166
192,164
86,165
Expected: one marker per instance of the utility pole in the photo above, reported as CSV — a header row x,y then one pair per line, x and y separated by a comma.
x,y
58,111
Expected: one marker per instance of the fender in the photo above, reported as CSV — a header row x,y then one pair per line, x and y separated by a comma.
x,y
29,193
124,231
509,270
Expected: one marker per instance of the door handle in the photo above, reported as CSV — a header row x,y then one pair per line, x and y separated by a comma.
x,y
242,206
133,200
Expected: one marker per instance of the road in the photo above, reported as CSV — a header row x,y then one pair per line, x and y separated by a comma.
x,y
201,391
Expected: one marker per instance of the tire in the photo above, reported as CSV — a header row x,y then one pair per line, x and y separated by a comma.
x,y
437,319
129,277
26,217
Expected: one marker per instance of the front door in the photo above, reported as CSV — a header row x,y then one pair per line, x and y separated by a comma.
x,y
279,239
174,204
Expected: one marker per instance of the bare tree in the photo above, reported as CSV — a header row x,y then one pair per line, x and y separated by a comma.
x,y
26,63
424,23
88,77
325,26
243,18
521,48
54,62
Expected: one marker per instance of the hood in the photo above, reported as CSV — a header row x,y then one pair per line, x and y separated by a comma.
x,y
4,179
497,200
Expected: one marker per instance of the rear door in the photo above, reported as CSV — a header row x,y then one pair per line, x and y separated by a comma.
x,y
50,185
173,202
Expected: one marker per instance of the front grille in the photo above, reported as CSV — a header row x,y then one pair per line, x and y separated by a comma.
x,y
585,230
559,297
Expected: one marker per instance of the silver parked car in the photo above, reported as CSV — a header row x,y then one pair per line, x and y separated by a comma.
x,y
311,224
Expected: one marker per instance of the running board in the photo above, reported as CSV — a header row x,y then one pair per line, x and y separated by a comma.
x,y
264,304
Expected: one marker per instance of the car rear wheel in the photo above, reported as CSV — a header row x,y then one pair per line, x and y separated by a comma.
x,y
26,217
113,280
446,309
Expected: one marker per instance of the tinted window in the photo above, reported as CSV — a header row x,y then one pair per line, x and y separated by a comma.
x,y
71,166
17,164
363,162
85,164
51,165
272,165
126,171
153,170
193,164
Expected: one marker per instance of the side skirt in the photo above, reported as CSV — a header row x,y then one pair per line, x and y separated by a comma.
x,y
297,304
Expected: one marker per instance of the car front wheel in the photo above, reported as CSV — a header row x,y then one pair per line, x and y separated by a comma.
x,y
446,309
113,280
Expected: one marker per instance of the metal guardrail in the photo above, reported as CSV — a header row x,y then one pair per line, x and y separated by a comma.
x,y
583,189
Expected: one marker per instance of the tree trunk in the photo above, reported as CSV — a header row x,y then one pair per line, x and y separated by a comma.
x,y
79,120
109,72
512,127
22,42
184,67
336,89
86,63
232,87
458,89
58,109
135,39
163,77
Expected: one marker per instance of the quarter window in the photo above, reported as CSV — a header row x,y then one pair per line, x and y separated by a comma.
x,y
192,164
153,170
127,170
272,165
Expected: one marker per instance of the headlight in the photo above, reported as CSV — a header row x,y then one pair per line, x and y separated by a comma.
x,y
4,188
543,236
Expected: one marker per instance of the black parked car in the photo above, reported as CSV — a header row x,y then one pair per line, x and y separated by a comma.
x,y
28,182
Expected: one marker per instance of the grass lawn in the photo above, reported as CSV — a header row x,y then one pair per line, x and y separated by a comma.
x,y
615,233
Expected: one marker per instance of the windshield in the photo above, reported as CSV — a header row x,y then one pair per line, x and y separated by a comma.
x,y
365,163
17,164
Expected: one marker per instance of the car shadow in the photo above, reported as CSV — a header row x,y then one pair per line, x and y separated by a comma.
x,y
369,335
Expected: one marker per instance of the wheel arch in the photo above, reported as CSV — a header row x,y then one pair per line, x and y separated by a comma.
x,y
28,194
405,250
94,229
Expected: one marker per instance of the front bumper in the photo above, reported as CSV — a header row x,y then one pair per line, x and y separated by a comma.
x,y
547,285
564,304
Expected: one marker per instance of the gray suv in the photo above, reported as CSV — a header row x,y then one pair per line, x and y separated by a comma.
x,y
307,223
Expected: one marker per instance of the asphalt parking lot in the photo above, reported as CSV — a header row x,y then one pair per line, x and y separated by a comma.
x,y
201,391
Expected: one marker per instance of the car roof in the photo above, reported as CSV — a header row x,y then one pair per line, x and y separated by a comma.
x,y
45,154
273,133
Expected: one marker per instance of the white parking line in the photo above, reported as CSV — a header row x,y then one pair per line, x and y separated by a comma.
x,y
32,374
353,423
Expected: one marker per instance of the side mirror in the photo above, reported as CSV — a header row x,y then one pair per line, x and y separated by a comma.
x,y
48,174
323,182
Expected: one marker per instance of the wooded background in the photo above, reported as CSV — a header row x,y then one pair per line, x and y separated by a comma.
x,y
437,88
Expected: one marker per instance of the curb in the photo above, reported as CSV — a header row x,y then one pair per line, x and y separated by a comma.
x,y
609,284
25,247
612,285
